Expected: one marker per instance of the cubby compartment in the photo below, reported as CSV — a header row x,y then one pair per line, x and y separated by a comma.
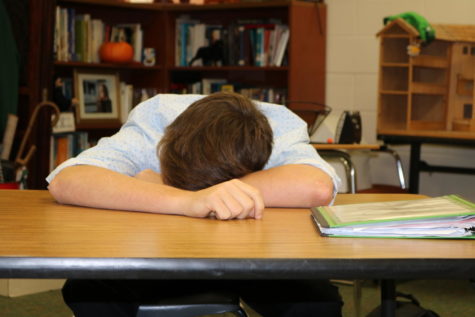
x,y
395,79
393,111
428,111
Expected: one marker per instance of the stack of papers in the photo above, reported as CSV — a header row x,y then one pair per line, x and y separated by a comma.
x,y
441,217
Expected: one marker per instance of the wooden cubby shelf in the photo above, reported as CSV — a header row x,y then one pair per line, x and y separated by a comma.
x,y
427,92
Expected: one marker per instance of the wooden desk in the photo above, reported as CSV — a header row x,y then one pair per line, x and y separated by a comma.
x,y
42,239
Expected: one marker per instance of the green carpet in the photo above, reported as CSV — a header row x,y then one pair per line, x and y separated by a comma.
x,y
449,298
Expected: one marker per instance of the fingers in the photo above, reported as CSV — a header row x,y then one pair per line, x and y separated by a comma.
x,y
250,198
220,210
235,200
238,203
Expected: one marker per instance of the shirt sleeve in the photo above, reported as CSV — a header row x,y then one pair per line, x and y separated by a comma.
x,y
129,151
134,147
292,144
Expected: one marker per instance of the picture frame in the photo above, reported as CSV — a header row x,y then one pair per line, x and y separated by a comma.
x,y
98,95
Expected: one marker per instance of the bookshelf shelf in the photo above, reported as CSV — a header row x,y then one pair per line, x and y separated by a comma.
x,y
132,66
230,68
112,3
228,6
394,92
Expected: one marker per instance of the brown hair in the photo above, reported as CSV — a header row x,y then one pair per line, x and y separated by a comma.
x,y
217,138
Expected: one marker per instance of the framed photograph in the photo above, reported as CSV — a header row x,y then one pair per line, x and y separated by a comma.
x,y
98,95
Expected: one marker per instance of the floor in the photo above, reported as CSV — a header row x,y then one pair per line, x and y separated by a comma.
x,y
449,298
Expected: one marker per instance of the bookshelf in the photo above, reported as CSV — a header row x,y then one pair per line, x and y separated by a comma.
x,y
300,76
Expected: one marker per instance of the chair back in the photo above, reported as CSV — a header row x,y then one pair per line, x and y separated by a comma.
x,y
314,113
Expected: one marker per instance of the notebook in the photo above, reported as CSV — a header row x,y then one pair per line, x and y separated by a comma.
x,y
449,216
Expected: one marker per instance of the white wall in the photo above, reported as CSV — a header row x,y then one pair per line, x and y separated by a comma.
x,y
352,74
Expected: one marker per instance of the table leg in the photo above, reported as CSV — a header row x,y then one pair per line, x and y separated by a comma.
x,y
388,298
357,286
414,167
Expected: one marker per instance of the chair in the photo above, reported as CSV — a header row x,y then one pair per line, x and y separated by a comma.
x,y
345,159
314,113
399,172
194,305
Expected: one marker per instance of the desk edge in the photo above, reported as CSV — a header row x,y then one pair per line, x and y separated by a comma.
x,y
205,268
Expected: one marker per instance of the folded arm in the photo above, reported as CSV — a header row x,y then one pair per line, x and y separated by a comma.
x,y
292,185
97,187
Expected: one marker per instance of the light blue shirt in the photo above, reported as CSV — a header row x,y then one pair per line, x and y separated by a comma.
x,y
134,147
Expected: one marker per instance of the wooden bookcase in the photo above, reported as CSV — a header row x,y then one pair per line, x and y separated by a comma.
x,y
303,76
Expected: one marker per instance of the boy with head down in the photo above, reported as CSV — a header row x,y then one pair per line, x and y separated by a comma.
x,y
220,155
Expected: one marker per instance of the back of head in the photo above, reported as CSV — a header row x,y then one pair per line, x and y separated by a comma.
x,y
217,138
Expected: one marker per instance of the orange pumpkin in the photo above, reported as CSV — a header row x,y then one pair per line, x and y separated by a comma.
x,y
116,52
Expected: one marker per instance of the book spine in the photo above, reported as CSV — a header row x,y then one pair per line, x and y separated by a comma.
x,y
281,47
71,33
79,39
62,149
259,44
57,33
242,44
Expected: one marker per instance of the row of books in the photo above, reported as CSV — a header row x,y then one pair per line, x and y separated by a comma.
x,y
78,37
207,86
131,96
67,145
241,43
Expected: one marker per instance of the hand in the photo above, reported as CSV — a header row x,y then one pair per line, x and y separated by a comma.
x,y
233,199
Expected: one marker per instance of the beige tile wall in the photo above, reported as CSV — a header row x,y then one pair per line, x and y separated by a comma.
x,y
352,61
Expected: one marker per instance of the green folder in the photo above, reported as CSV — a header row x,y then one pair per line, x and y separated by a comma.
x,y
448,216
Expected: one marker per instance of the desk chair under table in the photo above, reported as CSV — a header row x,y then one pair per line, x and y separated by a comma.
x,y
340,152
199,304
314,113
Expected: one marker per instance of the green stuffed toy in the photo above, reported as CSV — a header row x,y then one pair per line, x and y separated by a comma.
x,y
426,32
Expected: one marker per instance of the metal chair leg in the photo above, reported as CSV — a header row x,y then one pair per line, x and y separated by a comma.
x,y
345,159
399,169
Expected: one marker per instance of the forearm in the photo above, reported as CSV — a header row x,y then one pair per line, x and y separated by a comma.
x,y
97,187
91,186
292,186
